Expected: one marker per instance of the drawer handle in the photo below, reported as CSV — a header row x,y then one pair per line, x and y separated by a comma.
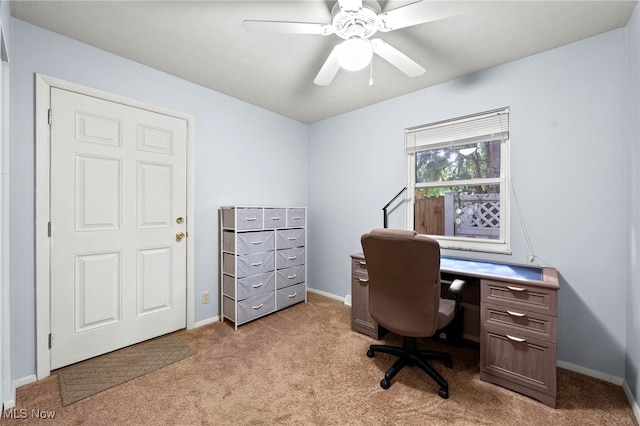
x,y
250,219
292,276
256,264
257,285
515,339
256,242
363,263
363,280
275,218
516,314
512,288
296,217
292,257
291,238
291,296
258,307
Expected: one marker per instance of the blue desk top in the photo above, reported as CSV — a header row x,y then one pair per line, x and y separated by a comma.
x,y
491,269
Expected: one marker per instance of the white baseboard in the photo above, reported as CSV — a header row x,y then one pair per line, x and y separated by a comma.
x,y
330,295
591,373
26,380
10,403
634,404
207,321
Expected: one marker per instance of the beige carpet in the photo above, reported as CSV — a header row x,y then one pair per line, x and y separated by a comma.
x,y
98,374
304,366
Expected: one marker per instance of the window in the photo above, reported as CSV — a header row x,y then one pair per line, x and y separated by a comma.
x,y
457,179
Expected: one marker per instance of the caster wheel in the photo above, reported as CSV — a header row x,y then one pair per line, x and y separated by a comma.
x,y
448,364
385,384
370,353
444,393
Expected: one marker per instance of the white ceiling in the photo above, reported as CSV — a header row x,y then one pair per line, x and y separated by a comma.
x,y
204,42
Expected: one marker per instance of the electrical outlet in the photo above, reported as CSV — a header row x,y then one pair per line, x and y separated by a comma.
x,y
205,297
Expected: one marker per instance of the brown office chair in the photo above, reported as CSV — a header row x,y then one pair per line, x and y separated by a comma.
x,y
404,297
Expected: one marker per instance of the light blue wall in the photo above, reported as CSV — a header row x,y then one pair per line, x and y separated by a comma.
x,y
567,160
632,364
243,155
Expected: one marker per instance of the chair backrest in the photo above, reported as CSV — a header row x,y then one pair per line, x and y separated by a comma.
x,y
404,280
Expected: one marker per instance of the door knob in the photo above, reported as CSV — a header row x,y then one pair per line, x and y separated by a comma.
x,y
180,236
180,220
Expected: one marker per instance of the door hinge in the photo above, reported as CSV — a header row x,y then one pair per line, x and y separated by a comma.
x,y
49,116
49,340
49,229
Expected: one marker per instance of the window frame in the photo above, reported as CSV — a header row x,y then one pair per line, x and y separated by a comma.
x,y
453,134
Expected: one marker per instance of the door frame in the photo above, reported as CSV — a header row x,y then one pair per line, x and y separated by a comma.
x,y
43,85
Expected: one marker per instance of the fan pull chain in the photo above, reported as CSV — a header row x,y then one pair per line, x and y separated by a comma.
x,y
371,74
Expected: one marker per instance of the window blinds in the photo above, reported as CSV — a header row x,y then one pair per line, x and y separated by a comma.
x,y
490,125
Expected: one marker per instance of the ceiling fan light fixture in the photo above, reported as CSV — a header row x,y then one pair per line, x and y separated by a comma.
x,y
354,54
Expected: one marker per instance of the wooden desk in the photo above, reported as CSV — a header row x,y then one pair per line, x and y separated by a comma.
x,y
517,320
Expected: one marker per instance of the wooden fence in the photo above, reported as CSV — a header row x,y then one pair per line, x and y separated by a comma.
x,y
460,215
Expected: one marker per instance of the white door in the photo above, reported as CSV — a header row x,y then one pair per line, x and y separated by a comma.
x,y
118,203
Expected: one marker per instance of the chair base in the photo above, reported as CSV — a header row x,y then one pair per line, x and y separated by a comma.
x,y
409,355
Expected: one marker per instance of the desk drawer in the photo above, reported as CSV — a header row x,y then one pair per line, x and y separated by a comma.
x,y
524,361
359,266
519,296
519,323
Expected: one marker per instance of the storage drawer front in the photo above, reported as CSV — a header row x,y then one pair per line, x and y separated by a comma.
x,y
229,218
520,296
249,219
295,217
521,323
291,295
255,284
290,257
359,266
248,265
290,276
256,306
531,362
275,218
289,238
229,308
229,286
255,242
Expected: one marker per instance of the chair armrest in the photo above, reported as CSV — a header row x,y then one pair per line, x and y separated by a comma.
x,y
457,286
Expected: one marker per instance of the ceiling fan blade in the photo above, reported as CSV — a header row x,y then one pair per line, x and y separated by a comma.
x,y
329,69
422,12
287,27
350,5
396,58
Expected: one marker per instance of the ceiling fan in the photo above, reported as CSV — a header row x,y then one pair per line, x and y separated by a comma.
x,y
356,21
